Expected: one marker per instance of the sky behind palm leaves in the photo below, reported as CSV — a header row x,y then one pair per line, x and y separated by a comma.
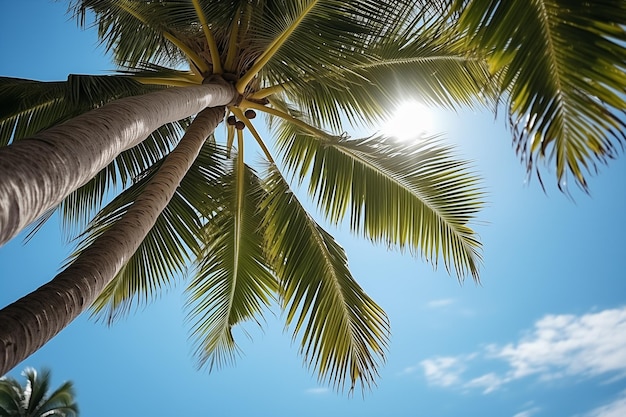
x,y
543,335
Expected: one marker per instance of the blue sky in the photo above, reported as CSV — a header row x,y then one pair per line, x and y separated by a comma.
x,y
543,335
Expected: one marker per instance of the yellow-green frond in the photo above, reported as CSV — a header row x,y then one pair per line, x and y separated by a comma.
x,y
232,282
413,195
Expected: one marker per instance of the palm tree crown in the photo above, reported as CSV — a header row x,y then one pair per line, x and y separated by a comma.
x,y
34,398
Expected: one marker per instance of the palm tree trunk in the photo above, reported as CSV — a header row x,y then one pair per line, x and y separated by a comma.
x,y
33,320
37,173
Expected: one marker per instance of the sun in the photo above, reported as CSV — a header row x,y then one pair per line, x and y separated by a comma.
x,y
411,120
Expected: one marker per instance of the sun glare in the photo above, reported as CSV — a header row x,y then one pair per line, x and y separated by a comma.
x,y
411,120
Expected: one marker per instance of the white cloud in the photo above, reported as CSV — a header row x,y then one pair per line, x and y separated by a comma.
x,y
445,371
616,408
557,346
317,390
444,302
528,413
588,345
410,370
488,382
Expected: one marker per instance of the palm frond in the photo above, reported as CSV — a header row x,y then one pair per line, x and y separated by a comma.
x,y
413,195
563,65
134,30
232,282
170,244
60,402
333,36
422,60
36,388
344,332
33,399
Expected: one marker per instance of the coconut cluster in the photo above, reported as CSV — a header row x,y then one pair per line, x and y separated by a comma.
x,y
239,125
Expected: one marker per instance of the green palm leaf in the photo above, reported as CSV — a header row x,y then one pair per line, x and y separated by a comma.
x,y
563,68
344,332
133,30
413,195
33,399
170,244
232,282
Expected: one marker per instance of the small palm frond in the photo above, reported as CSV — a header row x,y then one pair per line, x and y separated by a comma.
x,y
344,332
232,282
59,403
404,194
35,390
170,244
29,106
33,399
10,396
563,67
134,31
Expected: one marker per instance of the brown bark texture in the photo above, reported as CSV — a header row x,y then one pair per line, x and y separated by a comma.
x,y
37,173
33,320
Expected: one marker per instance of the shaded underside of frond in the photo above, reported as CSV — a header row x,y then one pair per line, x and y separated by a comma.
x,y
29,106
409,195
563,68
232,283
344,332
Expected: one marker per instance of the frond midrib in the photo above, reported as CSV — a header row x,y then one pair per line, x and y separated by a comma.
x,y
434,58
556,68
24,112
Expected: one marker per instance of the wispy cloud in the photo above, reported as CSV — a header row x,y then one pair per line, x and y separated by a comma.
x,y
440,303
617,408
317,390
444,371
557,346
528,413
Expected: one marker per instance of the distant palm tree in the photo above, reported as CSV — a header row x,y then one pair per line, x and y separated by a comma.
x,y
34,399
309,66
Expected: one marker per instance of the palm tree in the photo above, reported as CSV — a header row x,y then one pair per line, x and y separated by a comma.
x,y
33,399
304,63
255,238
